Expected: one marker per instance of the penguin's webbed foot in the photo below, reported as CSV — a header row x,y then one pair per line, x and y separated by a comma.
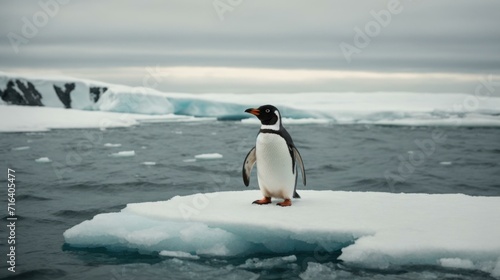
x,y
265,200
286,202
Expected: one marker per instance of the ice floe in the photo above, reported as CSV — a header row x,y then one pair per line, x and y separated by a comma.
x,y
43,160
23,148
208,156
112,145
123,154
372,230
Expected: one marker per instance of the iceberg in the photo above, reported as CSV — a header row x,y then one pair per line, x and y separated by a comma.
x,y
134,105
372,230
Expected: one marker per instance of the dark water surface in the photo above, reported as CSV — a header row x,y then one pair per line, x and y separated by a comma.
x,y
84,180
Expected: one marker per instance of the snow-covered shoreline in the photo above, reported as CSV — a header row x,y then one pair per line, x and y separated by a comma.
x,y
28,101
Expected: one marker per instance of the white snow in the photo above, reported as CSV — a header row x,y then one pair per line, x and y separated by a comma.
x,y
43,160
374,230
149,163
123,154
21,148
112,145
28,118
208,156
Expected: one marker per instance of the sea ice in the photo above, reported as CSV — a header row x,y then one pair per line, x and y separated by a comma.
x,y
208,156
112,145
149,163
373,230
43,160
137,105
28,118
124,154
21,148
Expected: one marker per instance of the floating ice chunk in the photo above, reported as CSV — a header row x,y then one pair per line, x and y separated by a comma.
x,y
124,154
208,156
43,160
445,163
178,132
149,163
373,230
189,160
21,148
112,145
178,254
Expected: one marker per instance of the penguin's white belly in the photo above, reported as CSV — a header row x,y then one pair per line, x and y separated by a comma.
x,y
274,166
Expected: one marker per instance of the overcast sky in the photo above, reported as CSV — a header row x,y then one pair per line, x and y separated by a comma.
x,y
257,46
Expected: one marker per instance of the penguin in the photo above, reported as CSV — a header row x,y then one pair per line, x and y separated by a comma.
x,y
276,157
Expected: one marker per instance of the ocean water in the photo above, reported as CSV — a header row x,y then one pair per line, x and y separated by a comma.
x,y
83,180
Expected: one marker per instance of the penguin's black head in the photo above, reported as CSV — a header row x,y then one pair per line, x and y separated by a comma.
x,y
267,114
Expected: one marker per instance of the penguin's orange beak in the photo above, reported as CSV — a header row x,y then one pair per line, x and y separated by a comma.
x,y
253,111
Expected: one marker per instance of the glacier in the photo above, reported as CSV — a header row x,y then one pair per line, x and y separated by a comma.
x,y
371,230
120,106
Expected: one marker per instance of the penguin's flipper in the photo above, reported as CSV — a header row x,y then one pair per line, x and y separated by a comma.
x,y
248,164
301,164
295,193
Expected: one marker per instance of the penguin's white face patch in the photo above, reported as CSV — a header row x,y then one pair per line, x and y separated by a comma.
x,y
275,126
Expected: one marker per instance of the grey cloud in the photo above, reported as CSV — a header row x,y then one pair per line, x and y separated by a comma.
x,y
455,36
